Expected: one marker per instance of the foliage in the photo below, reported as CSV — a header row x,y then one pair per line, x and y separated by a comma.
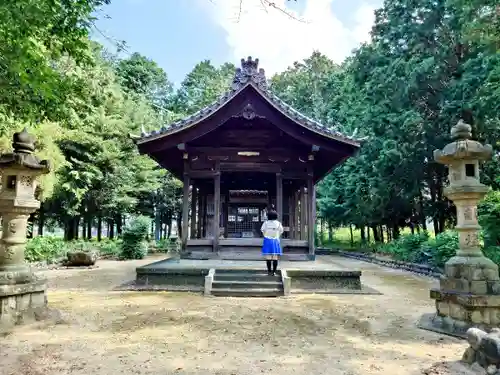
x,y
489,218
442,247
134,245
46,248
51,249
406,248
427,64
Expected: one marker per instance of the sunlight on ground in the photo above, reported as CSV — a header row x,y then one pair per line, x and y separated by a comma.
x,y
105,332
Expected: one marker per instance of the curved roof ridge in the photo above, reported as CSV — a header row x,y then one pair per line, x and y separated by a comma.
x,y
248,74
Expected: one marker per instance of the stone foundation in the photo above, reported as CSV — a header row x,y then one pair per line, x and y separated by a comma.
x,y
22,303
456,312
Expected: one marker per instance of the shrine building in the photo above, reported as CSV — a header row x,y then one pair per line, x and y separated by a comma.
x,y
239,156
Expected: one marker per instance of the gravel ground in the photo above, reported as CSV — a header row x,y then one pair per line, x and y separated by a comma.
x,y
103,332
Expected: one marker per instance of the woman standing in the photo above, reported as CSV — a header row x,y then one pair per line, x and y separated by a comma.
x,y
271,248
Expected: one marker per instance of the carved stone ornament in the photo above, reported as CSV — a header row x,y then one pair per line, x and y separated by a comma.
x,y
249,72
22,155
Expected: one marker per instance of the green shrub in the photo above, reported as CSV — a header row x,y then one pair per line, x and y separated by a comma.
x,y
493,252
134,238
47,249
407,248
109,248
489,218
442,247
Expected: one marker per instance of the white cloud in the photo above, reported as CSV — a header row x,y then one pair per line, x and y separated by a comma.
x,y
278,40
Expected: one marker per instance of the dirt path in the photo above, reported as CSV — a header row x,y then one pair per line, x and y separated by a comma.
x,y
110,333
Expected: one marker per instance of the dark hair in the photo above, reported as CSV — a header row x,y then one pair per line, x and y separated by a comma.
x,y
272,215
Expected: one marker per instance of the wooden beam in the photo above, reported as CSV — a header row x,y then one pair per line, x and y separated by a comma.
x,y
216,222
229,151
201,174
250,167
279,196
185,205
292,175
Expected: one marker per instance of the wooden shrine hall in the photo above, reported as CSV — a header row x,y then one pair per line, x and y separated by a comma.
x,y
239,156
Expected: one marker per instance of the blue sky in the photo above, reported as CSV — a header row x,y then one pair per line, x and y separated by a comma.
x,y
179,33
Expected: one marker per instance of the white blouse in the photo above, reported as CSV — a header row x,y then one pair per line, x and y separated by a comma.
x,y
272,229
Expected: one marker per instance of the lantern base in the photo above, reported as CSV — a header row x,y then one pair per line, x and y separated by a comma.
x,y
22,303
16,274
456,312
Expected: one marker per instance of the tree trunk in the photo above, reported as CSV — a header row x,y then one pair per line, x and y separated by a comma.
x,y
41,220
31,223
111,233
395,232
423,218
330,232
362,233
99,228
89,227
352,235
119,224
84,229
376,236
179,225
76,227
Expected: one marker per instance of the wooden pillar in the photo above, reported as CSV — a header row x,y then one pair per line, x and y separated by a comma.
x,y
291,212
185,203
279,196
303,216
216,222
194,199
296,215
226,212
205,209
310,213
199,216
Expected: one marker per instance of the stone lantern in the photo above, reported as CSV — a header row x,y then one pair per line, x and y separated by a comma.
x,y
469,290
21,293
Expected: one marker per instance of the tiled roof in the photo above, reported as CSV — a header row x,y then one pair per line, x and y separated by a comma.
x,y
249,73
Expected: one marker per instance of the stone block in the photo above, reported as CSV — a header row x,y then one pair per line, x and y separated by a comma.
x,y
443,308
451,283
457,312
478,287
21,303
38,299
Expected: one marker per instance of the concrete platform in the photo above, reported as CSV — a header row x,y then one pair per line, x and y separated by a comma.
x,y
198,276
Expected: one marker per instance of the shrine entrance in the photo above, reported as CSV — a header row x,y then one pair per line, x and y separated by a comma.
x,y
245,221
240,156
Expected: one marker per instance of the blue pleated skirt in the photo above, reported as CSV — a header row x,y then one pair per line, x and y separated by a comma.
x,y
271,247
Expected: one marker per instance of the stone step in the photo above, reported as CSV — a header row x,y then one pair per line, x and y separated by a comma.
x,y
245,271
246,284
246,277
248,292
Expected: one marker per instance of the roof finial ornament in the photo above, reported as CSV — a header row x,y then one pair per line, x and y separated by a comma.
x,y
249,73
